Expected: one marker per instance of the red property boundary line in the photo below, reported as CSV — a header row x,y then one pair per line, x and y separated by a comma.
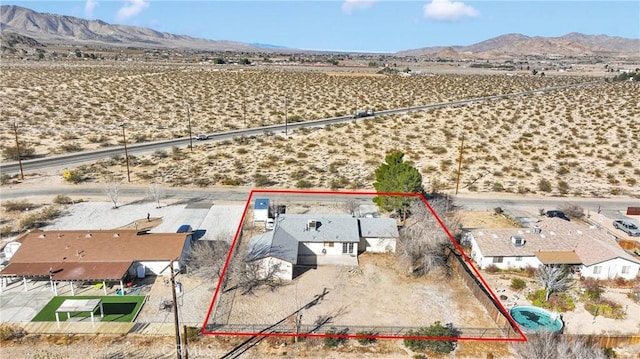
x,y
467,260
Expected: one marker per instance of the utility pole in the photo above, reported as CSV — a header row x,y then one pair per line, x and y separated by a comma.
x,y
460,163
126,153
175,311
244,108
189,119
15,131
285,117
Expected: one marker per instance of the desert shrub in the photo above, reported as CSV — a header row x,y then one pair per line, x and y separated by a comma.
x,y
434,330
592,289
176,153
40,218
621,282
232,181
17,206
606,308
10,331
73,176
11,153
563,187
572,210
518,284
544,185
6,231
304,184
202,182
559,302
261,180
491,268
333,341
71,147
62,199
530,271
366,341
159,154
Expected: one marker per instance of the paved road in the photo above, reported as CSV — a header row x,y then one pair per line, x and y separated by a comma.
x,y
144,148
481,201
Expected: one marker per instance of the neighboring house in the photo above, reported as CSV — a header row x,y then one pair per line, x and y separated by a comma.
x,y
590,250
95,256
319,239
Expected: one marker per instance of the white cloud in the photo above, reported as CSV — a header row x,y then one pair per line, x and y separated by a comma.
x,y
131,8
446,10
348,6
89,5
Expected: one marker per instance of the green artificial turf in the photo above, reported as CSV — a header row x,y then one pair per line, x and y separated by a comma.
x,y
116,308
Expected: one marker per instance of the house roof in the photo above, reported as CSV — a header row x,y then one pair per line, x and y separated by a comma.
x,y
89,255
558,257
89,271
292,229
378,228
592,245
329,228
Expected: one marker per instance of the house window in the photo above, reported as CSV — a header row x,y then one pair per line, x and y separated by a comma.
x,y
347,248
597,269
518,259
626,269
498,259
328,244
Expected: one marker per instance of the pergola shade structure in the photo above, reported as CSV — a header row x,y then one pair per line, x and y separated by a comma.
x,y
79,306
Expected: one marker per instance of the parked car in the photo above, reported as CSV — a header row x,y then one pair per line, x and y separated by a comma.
x,y
184,229
627,227
558,214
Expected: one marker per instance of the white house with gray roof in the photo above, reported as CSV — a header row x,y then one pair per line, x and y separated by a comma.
x,y
320,239
554,241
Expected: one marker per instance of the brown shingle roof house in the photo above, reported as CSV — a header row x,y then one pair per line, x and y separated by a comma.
x,y
94,255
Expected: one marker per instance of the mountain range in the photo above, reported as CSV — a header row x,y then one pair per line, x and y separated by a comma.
x,y
45,28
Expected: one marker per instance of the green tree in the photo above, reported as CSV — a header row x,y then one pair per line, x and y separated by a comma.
x,y
396,176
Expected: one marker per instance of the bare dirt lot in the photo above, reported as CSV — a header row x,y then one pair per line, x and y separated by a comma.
x,y
373,294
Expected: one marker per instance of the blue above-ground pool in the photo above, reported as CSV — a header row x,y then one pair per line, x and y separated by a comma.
x,y
534,319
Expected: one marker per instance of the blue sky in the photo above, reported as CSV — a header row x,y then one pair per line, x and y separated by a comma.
x,y
359,25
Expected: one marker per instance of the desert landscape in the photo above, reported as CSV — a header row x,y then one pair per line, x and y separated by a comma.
x,y
577,141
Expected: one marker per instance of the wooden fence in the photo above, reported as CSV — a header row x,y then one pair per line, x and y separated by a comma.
x,y
482,295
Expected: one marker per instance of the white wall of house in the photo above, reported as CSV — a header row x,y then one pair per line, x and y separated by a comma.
x,y
611,269
507,262
159,267
285,272
326,249
378,245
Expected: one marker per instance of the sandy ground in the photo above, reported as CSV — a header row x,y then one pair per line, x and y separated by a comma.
x,y
577,139
374,294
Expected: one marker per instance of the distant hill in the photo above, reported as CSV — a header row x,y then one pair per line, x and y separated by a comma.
x,y
41,28
69,30
518,45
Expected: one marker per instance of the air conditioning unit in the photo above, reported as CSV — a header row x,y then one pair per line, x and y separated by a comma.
x,y
517,241
312,224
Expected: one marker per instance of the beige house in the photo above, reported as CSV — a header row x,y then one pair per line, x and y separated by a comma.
x,y
592,250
